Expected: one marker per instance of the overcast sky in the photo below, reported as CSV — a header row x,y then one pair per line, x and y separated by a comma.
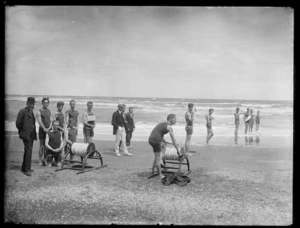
x,y
184,52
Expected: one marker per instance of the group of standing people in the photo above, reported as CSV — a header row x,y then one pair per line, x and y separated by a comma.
x,y
59,129
123,127
249,119
55,130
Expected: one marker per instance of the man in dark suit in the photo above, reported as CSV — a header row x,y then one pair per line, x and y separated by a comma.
x,y
118,123
129,126
25,124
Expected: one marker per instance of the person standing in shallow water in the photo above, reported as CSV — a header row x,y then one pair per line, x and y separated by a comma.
x,y
189,118
257,121
25,124
246,119
251,121
237,120
209,119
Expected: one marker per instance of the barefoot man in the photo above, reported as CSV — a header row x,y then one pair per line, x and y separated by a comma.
x,y
44,119
189,118
156,139
209,119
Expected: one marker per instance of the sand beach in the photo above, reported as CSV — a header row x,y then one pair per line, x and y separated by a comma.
x,y
230,185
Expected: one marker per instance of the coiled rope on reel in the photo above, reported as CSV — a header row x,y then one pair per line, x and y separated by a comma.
x,y
170,153
81,149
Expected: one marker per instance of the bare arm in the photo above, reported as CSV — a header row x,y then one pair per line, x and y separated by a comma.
x,y
84,120
61,143
39,119
47,143
66,119
173,138
50,126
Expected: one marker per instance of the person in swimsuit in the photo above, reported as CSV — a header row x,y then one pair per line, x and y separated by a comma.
x,y
189,118
237,120
88,120
246,122
257,121
54,144
209,119
251,121
60,117
72,122
44,119
156,140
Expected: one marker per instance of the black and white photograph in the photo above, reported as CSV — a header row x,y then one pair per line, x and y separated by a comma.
x,y
149,115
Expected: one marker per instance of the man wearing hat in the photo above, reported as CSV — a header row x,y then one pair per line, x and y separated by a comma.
x,y
25,124
189,118
118,123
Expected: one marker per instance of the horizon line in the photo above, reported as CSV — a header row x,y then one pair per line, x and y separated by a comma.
x,y
184,98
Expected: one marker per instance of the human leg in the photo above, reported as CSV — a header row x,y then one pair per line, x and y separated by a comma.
x,y
48,158
128,137
157,163
26,165
42,152
85,137
246,127
211,134
123,137
117,141
187,143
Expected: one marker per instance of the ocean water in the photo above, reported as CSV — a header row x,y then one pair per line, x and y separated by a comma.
x,y
276,125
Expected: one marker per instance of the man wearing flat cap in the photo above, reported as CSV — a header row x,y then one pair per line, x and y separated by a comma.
x,y
25,124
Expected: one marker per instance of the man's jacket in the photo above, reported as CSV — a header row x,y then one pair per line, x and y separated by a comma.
x,y
129,122
25,124
117,120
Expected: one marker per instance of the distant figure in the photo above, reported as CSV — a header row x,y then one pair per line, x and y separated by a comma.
x,y
189,118
251,121
44,119
89,123
247,117
25,124
209,119
257,121
54,145
125,123
129,126
237,120
156,139
118,122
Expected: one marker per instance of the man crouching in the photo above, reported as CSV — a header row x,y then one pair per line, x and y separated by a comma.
x,y
54,144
